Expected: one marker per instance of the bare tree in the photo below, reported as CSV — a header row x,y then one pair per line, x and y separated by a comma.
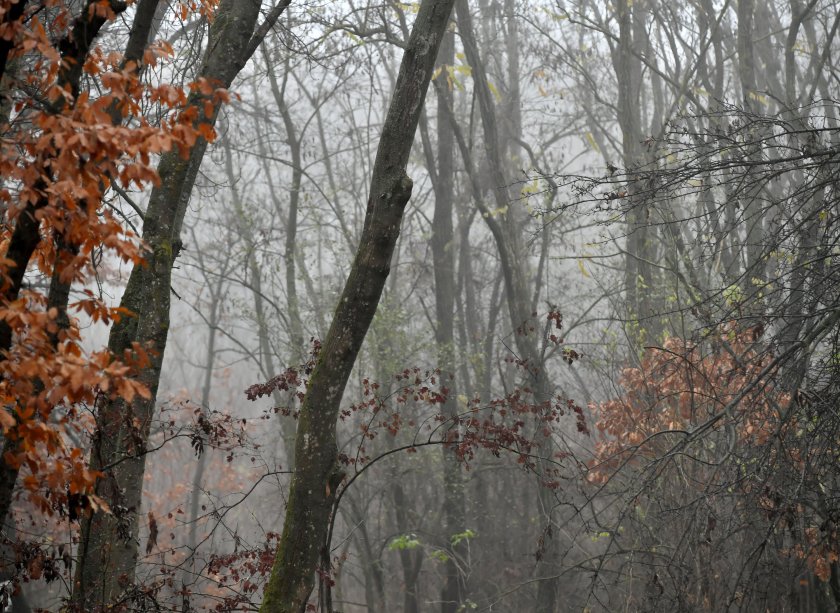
x,y
319,475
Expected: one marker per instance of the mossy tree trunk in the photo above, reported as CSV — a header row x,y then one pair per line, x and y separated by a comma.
x,y
318,474
108,548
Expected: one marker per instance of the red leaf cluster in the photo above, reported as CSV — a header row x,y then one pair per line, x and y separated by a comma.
x,y
61,152
680,387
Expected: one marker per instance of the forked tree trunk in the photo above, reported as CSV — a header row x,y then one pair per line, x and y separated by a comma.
x,y
108,548
318,474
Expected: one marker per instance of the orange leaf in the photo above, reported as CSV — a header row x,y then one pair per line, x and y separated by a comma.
x,y
7,421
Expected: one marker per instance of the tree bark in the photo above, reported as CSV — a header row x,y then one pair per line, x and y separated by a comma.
x,y
506,235
371,561
265,352
217,293
290,250
318,474
443,258
411,560
755,273
628,72
108,548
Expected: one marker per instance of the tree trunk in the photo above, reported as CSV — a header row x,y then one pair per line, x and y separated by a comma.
x,y
371,561
411,560
628,71
506,234
318,474
108,549
287,424
290,250
443,258
753,215
216,294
